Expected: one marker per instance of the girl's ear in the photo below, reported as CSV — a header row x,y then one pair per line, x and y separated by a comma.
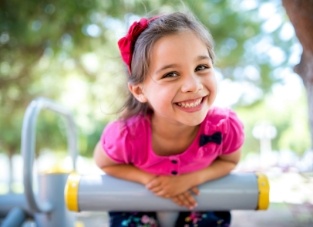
x,y
137,92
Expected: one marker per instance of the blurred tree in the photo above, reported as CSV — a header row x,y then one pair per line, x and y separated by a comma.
x,y
300,14
67,51
34,36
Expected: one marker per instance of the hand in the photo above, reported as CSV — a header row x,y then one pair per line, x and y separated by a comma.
x,y
186,199
170,186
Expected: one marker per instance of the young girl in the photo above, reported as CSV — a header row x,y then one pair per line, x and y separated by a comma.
x,y
169,137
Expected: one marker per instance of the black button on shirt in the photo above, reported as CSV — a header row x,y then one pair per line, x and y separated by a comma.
x,y
174,161
174,172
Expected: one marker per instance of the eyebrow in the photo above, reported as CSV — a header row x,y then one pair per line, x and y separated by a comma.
x,y
166,67
200,57
203,57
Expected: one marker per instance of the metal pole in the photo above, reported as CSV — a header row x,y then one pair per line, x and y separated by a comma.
x,y
247,191
9,201
45,203
15,218
53,191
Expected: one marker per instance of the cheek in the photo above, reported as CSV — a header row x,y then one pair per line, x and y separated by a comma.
x,y
211,84
161,97
214,87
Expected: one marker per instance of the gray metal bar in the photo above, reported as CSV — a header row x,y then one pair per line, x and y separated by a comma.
x,y
9,201
28,147
15,218
105,193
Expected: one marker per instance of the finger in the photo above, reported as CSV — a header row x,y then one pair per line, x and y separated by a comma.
x,y
195,190
167,196
159,191
152,184
176,200
181,200
189,200
156,190
162,193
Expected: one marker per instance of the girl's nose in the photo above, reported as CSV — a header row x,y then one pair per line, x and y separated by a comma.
x,y
192,83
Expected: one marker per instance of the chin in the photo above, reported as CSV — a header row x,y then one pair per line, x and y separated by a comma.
x,y
194,122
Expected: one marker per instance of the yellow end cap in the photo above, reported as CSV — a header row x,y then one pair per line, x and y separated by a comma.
x,y
264,192
71,192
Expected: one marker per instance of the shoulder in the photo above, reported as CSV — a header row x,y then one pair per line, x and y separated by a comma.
x,y
121,138
128,127
218,115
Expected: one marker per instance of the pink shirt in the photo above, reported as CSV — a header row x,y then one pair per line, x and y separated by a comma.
x,y
130,142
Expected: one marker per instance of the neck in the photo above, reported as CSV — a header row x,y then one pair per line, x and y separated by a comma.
x,y
171,130
169,138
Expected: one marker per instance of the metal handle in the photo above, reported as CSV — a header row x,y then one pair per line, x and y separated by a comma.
x,y
28,147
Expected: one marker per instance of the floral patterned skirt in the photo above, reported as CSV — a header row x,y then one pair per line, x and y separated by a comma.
x,y
185,219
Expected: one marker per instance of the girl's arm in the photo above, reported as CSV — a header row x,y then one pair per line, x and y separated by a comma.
x,y
122,171
131,173
170,186
222,166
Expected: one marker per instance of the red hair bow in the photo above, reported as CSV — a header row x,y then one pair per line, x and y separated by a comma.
x,y
127,43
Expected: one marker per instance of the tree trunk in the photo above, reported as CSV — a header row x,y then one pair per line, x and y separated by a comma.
x,y
300,13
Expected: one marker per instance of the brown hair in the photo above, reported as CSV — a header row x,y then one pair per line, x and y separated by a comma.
x,y
158,28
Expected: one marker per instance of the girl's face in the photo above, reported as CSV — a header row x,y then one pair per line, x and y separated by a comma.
x,y
180,86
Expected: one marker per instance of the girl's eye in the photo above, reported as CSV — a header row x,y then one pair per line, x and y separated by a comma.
x,y
170,75
201,67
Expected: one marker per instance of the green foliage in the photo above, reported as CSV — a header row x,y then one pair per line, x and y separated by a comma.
x,y
51,132
35,36
66,51
88,141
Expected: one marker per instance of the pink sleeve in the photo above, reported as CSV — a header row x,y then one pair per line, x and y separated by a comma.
x,y
115,143
234,136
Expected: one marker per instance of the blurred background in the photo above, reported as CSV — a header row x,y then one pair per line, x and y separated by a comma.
x,y
67,51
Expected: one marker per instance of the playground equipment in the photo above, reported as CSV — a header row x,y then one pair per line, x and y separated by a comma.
x,y
236,191
49,208
46,207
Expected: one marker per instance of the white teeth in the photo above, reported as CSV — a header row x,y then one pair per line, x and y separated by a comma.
x,y
189,104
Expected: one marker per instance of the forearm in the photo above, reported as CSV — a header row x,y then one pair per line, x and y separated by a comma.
x,y
128,172
217,169
122,171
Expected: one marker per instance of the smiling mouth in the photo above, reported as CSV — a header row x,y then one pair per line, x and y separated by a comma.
x,y
190,104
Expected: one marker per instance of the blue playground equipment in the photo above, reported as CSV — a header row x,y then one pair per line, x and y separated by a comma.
x,y
45,208
61,194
